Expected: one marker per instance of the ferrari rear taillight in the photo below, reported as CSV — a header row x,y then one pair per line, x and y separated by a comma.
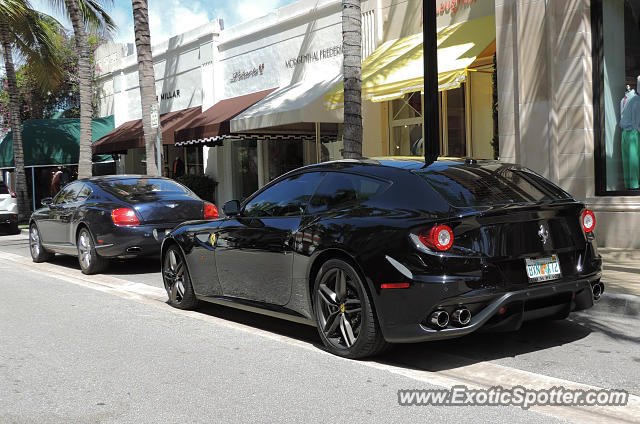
x,y
439,237
124,216
588,221
12,193
210,211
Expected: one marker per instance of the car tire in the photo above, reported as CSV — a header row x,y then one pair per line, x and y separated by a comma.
x,y
14,229
38,253
177,281
344,314
88,258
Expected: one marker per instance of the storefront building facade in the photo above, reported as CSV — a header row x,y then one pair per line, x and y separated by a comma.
x,y
183,67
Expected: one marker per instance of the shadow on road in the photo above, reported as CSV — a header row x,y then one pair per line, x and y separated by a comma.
x,y
142,265
117,267
430,356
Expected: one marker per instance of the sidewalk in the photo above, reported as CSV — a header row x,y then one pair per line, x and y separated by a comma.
x,y
621,272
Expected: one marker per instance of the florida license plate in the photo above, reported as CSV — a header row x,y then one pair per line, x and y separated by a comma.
x,y
543,269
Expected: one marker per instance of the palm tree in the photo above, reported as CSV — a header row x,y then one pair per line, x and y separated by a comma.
x,y
352,52
31,35
85,14
147,80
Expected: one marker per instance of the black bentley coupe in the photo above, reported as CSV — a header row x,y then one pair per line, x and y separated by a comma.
x,y
385,251
120,216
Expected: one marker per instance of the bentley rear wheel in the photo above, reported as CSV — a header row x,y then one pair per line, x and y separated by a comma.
x,y
88,258
38,253
176,280
346,322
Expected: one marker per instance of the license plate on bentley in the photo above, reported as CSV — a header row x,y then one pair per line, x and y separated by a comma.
x,y
543,269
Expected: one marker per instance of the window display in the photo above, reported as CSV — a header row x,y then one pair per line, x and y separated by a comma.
x,y
619,84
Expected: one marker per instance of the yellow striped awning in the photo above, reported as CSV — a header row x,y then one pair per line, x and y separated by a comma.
x,y
396,67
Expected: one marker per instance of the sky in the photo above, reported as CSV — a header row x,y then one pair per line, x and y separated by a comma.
x,y
171,17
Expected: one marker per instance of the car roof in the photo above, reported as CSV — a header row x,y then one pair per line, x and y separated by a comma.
x,y
402,162
121,177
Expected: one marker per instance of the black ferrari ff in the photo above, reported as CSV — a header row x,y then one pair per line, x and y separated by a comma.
x,y
385,251
121,216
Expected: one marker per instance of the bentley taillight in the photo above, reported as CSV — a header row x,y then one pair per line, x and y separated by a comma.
x,y
124,216
439,237
588,221
210,211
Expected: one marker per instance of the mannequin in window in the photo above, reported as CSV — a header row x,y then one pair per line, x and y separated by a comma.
x,y
630,125
178,167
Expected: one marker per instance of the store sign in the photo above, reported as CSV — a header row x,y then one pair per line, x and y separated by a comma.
x,y
243,75
168,95
314,56
452,6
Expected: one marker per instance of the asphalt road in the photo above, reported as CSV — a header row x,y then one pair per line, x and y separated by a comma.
x,y
85,349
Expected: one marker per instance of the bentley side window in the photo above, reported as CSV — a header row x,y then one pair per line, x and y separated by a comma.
x,y
68,194
84,193
289,197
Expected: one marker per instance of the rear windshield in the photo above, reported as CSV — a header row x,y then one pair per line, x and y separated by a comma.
x,y
141,186
3,188
495,184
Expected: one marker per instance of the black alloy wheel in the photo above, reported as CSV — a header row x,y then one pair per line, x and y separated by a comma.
x,y
38,253
176,280
88,258
344,316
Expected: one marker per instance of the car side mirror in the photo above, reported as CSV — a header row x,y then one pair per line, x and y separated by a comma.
x,y
231,208
46,201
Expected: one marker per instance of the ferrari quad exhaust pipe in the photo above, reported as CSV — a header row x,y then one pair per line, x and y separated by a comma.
x,y
439,319
461,316
597,289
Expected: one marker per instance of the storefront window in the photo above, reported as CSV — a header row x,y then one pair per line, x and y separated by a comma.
x,y
616,49
195,164
406,133
455,123
406,126
245,167
284,156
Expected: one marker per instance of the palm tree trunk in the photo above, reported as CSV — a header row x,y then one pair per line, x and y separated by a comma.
x,y
24,210
147,81
85,88
352,52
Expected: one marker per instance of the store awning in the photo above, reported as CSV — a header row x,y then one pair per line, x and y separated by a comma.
x,y
297,103
396,67
209,126
130,135
51,142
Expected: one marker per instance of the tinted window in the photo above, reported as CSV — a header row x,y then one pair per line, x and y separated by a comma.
x,y
3,188
464,185
68,194
339,190
84,193
140,186
286,198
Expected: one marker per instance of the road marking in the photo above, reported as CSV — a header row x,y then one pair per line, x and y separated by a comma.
x,y
478,375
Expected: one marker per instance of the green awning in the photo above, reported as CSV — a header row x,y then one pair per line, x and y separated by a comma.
x,y
50,142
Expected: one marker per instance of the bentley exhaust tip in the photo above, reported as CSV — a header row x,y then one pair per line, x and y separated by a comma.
x,y
439,319
461,316
597,291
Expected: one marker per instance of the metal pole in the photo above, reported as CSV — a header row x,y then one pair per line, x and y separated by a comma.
x,y
33,187
158,151
430,57
318,144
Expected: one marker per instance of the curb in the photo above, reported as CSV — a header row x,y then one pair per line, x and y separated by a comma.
x,y
619,304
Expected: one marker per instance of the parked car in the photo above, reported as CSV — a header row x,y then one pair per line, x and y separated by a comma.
x,y
121,216
385,251
8,209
